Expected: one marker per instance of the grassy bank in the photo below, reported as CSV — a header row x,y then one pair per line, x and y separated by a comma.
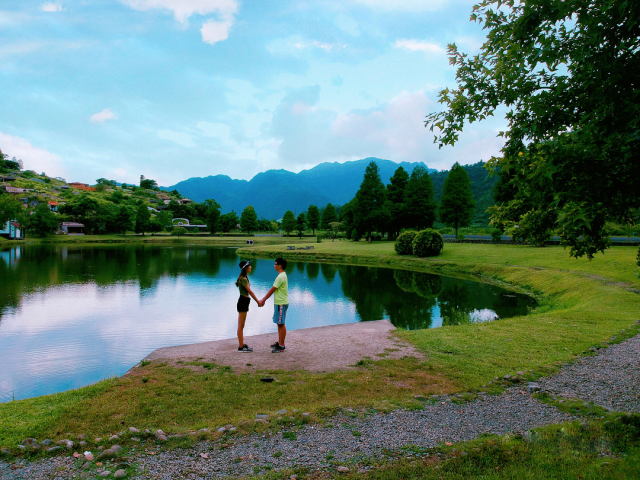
x,y
581,304
200,239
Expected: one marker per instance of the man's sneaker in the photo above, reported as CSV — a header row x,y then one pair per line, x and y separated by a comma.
x,y
245,349
278,349
274,345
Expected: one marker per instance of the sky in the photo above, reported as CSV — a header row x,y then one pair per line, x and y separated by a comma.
x,y
173,89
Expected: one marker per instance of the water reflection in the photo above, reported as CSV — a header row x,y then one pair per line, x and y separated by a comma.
x,y
72,315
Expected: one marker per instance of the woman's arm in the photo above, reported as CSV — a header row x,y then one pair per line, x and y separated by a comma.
x,y
252,294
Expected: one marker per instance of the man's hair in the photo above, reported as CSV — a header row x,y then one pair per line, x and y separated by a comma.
x,y
282,262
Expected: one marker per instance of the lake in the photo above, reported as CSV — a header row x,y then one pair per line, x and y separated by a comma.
x,y
71,316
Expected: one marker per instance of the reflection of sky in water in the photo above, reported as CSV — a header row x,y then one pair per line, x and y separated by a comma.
x,y
74,328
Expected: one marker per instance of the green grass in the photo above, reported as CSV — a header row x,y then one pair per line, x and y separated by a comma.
x,y
595,450
581,304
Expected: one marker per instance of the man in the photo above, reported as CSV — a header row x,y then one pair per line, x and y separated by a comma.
x,y
280,303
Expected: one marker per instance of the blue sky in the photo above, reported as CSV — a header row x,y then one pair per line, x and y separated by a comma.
x,y
172,89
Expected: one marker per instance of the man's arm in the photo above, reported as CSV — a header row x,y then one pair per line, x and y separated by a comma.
x,y
269,293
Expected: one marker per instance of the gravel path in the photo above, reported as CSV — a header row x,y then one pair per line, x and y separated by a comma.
x,y
609,378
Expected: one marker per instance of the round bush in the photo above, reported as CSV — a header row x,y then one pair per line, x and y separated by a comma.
x,y
404,242
427,243
496,235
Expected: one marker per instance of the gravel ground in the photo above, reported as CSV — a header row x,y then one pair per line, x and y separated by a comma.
x,y
609,378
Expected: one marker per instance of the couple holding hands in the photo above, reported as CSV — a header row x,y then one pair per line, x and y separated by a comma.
x,y
280,303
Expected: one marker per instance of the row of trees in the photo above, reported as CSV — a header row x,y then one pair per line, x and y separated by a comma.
x,y
407,202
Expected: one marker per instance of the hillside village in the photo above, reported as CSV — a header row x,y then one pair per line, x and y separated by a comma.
x,y
60,197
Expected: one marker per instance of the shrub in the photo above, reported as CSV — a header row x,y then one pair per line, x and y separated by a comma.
x,y
496,235
404,242
638,258
460,237
178,231
427,243
320,236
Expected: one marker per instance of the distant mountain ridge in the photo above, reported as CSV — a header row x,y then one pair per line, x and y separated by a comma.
x,y
274,192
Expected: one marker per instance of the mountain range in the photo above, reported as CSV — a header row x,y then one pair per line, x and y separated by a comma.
x,y
273,192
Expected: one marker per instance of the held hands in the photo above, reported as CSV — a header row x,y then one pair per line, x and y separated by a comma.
x,y
261,303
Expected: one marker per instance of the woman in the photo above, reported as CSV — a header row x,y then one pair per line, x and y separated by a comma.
x,y
243,285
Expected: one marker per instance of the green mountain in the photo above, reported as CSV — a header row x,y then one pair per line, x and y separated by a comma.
x,y
274,192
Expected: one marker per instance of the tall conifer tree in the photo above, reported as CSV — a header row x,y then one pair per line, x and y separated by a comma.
x,y
420,204
328,215
372,211
395,196
313,218
457,203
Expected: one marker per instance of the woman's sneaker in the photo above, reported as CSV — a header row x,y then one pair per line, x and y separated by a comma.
x,y
245,348
278,349
274,345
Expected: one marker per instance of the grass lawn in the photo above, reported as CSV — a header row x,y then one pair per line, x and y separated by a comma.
x,y
580,304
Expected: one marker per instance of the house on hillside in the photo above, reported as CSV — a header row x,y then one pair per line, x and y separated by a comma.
x,y
82,186
184,201
72,228
53,206
11,230
7,178
13,190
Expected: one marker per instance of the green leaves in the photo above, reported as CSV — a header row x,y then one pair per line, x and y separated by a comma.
x,y
568,72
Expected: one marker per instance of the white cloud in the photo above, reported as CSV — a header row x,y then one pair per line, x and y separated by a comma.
x,y
214,31
415,46
183,9
37,159
217,130
103,116
180,138
51,7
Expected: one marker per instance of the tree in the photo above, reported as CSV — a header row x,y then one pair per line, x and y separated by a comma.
x,y
562,70
395,195
347,217
457,204
328,215
229,221
301,221
288,222
372,211
420,204
212,215
43,221
313,218
123,220
143,219
148,184
164,219
249,220
9,208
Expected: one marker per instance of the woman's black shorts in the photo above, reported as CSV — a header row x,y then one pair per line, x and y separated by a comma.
x,y
243,303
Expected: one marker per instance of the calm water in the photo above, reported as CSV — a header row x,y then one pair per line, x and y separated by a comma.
x,y
71,316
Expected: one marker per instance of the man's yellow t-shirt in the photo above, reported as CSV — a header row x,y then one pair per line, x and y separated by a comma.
x,y
281,295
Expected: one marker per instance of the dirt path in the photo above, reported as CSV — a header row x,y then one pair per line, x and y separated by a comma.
x,y
319,349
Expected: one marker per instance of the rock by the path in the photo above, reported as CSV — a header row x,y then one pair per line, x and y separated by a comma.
x,y
106,455
120,474
82,444
262,416
160,435
260,420
46,442
5,451
343,469
116,448
113,438
104,473
533,387
222,430
88,456
134,430
54,449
